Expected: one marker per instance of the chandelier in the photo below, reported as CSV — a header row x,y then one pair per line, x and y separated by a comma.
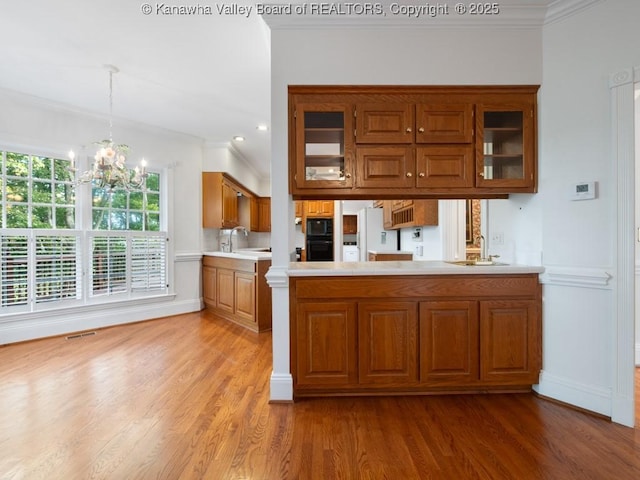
x,y
109,170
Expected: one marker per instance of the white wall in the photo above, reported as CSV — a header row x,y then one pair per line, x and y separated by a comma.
x,y
417,56
578,238
27,123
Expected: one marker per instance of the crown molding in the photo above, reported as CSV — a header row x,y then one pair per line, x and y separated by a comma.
x,y
561,9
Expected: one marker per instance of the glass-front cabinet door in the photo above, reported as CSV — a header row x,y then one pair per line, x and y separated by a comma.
x,y
505,148
324,146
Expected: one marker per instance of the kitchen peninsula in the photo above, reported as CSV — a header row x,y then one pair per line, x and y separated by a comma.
x,y
234,287
413,327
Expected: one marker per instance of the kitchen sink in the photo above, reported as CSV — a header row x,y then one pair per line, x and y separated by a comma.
x,y
474,263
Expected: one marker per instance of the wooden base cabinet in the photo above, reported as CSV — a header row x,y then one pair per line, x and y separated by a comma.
x,y
365,335
237,290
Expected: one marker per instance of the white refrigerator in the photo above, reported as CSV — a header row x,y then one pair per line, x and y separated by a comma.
x,y
372,235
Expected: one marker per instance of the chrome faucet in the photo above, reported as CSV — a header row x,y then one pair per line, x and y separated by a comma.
x,y
234,229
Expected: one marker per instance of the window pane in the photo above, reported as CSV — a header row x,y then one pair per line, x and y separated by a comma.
x,y
100,197
42,217
136,200
65,217
41,168
17,190
100,219
135,220
42,192
153,202
65,194
119,199
153,182
61,171
118,220
17,216
153,222
17,164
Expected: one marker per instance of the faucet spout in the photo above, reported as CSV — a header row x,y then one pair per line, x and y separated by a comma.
x,y
236,229
483,247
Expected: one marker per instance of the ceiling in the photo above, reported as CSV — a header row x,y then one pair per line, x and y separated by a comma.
x,y
207,75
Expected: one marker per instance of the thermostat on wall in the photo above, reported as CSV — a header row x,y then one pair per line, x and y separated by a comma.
x,y
583,191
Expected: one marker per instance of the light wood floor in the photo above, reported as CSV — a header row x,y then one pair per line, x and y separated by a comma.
x,y
187,398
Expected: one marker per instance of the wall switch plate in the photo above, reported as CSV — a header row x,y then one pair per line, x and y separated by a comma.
x,y
419,250
383,237
497,239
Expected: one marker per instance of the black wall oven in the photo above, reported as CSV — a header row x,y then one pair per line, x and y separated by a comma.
x,y
319,240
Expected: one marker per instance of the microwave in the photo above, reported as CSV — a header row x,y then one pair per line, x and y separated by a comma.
x,y
320,227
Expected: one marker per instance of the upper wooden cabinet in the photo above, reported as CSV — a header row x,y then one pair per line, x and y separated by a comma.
x,y
219,201
261,214
349,224
318,208
384,142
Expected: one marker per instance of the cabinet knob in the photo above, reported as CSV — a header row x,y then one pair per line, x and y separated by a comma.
x,y
421,129
347,175
421,174
409,174
408,129
481,174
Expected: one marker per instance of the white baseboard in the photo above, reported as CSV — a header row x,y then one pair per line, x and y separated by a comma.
x,y
281,387
595,399
51,324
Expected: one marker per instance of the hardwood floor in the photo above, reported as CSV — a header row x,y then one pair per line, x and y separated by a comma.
x,y
187,398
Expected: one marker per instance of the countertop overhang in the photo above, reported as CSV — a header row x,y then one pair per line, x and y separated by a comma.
x,y
247,254
407,267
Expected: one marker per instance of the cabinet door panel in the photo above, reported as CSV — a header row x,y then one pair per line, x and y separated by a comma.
x,y
209,285
225,290
245,295
505,147
384,123
380,167
229,206
323,146
449,342
510,341
446,167
447,123
326,344
387,336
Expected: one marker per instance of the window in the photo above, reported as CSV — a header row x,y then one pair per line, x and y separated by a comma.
x,y
122,210
37,192
49,261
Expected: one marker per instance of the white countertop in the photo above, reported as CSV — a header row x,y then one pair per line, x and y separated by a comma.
x,y
242,254
401,252
408,267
